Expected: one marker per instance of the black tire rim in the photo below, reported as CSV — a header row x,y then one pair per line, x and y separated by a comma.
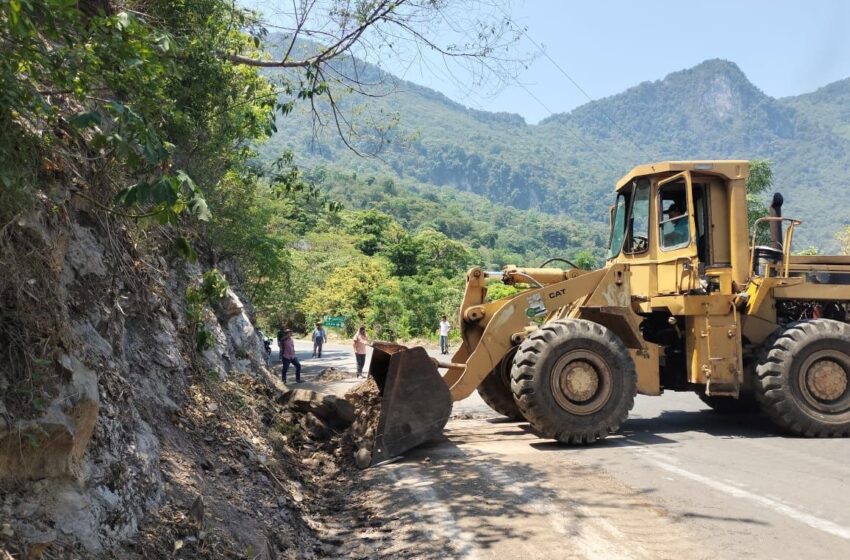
x,y
581,382
823,381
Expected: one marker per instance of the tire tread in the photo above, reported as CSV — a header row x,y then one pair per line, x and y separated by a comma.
x,y
773,377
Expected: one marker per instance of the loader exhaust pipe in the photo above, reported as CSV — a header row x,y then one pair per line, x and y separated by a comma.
x,y
776,225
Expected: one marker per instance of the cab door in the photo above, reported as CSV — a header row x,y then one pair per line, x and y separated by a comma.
x,y
636,248
675,238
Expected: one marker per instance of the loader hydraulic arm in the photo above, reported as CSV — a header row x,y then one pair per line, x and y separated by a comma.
x,y
490,330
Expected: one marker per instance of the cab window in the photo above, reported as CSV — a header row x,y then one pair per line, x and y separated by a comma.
x,y
638,231
673,221
618,223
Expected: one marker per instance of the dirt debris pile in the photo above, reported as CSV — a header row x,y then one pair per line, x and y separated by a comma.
x,y
334,374
322,416
246,480
366,400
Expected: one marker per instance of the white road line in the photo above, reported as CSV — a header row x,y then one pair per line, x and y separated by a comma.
x,y
666,462
435,514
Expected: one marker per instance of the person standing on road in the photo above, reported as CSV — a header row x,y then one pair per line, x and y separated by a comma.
x,y
287,356
360,342
319,337
280,335
445,327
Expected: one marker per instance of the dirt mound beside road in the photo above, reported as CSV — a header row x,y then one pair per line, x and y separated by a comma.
x,y
366,399
248,477
334,374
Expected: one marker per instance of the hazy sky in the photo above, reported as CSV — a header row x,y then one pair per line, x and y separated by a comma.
x,y
784,47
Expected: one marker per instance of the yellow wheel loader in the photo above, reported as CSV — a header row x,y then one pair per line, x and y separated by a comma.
x,y
687,301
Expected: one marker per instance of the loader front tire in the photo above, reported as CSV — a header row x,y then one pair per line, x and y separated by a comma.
x,y
803,380
574,381
495,390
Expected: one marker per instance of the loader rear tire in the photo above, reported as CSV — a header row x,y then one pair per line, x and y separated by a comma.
x,y
803,381
495,390
574,381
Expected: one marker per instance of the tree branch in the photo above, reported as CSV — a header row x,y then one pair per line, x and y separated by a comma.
x,y
343,44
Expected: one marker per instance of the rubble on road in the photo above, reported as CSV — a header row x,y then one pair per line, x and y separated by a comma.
x,y
366,400
284,456
333,374
251,469
344,427
336,412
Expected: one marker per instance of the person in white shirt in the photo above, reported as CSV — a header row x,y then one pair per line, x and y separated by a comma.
x,y
319,338
445,327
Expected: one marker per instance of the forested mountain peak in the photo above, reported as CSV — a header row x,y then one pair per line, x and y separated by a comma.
x,y
568,163
829,92
711,98
718,87
376,80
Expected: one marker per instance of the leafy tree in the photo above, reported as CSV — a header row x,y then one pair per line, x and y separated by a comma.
x,y
439,254
372,227
411,306
139,89
497,290
241,231
404,255
347,291
585,260
389,315
759,182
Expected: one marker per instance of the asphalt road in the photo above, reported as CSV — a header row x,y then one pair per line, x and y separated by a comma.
x,y
679,481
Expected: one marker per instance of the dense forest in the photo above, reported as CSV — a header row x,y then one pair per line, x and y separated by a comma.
x,y
567,164
376,220
388,252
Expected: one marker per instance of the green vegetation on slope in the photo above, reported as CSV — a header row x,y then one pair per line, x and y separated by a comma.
x,y
395,256
567,165
171,129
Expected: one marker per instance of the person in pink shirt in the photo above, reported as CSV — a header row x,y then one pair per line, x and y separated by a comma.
x,y
360,342
287,356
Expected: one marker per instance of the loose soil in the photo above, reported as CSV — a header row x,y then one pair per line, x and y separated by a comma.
x,y
366,399
245,480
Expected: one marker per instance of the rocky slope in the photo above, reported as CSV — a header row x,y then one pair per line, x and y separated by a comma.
x,y
118,438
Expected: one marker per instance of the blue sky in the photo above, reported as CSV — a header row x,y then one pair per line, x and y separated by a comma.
x,y
784,47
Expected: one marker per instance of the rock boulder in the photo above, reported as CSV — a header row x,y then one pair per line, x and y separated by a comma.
x,y
337,412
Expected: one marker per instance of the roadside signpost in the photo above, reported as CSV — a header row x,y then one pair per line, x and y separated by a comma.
x,y
334,321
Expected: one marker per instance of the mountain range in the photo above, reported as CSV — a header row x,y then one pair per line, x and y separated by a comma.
x,y
567,164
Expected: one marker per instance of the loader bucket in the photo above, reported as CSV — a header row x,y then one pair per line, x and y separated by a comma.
x,y
415,401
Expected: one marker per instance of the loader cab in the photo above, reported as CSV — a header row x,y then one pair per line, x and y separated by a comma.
x,y
681,226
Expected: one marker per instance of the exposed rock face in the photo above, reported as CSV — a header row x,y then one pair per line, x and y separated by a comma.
x,y
237,346
81,442
53,445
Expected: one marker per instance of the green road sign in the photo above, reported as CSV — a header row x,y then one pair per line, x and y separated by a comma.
x,y
334,321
